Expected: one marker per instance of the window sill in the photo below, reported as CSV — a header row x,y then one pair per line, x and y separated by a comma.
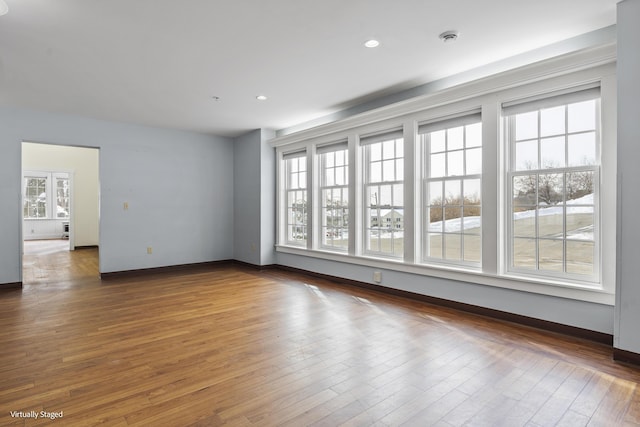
x,y
468,275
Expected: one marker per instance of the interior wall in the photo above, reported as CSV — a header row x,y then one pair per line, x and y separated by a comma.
x,y
628,253
82,163
167,190
254,201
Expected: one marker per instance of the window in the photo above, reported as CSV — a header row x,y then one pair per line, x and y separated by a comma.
x,y
296,198
513,187
35,197
553,184
384,194
40,193
452,170
334,193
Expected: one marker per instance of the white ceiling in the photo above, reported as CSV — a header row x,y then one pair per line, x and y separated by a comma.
x,y
160,62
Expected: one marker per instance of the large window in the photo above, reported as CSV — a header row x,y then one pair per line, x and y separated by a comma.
x,y
384,194
46,195
451,170
514,188
296,196
553,181
334,193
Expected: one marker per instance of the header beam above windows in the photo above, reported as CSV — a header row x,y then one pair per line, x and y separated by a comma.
x,y
568,96
379,137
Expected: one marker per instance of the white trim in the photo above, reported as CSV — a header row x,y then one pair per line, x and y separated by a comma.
x,y
511,281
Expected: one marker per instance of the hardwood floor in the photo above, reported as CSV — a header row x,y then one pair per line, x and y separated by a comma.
x,y
232,346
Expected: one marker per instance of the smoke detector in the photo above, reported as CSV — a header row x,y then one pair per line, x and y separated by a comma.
x,y
448,36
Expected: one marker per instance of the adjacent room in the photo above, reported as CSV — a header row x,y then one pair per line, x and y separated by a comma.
x,y
333,213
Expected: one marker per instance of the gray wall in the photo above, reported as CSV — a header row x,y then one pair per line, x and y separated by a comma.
x,y
586,315
178,185
254,202
627,336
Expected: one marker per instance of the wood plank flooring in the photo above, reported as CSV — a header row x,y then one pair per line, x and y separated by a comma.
x,y
237,347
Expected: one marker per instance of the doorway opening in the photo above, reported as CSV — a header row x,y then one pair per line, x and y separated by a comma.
x,y
60,212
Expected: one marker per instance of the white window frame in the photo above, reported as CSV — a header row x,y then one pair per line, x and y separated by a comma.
x,y
301,158
536,105
51,183
424,132
366,143
322,152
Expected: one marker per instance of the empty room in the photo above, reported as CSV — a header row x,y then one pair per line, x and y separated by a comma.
x,y
334,213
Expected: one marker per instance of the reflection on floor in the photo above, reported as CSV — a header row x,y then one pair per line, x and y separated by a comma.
x,y
51,262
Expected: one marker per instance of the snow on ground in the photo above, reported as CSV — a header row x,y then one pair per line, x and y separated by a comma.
x,y
578,206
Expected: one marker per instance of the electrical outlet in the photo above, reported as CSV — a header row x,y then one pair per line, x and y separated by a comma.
x,y
253,247
377,276
149,250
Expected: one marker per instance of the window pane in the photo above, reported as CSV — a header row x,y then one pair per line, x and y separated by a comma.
x,y
474,161
552,152
398,195
524,253
329,177
455,163
453,246
472,246
399,148
388,170
526,126
435,193
550,255
375,174
580,223
472,191
550,222
434,245
580,187
524,223
455,138
550,190
526,155
437,165
375,151
474,135
525,190
552,121
582,116
436,214
341,175
452,190
582,149
388,149
580,257
437,141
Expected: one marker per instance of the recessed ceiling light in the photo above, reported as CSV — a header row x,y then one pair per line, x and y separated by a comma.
x,y
372,43
3,7
261,98
449,36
